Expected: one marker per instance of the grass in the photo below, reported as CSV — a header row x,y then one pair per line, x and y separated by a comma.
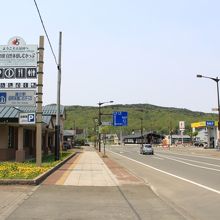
x,y
28,170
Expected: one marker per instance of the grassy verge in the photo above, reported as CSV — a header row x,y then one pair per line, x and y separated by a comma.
x,y
28,170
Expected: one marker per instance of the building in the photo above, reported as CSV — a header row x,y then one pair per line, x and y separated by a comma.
x,y
148,138
18,142
207,132
179,139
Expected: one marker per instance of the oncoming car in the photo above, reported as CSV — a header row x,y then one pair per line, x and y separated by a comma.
x,y
147,149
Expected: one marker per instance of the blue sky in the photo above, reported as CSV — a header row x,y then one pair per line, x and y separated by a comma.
x,y
124,50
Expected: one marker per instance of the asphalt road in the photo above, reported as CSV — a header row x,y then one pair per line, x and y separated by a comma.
x,y
189,183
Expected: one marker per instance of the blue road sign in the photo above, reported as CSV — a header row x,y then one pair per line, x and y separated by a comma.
x,y
120,118
210,123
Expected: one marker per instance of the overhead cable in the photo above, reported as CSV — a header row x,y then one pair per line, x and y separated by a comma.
x,y
46,34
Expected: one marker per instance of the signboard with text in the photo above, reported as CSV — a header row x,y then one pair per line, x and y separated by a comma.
x,y
27,118
120,118
181,125
18,65
210,123
17,98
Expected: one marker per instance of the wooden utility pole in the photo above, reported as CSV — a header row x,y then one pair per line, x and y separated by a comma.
x,y
39,102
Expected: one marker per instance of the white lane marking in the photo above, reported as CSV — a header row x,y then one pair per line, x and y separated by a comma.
x,y
170,174
190,164
195,161
188,155
159,158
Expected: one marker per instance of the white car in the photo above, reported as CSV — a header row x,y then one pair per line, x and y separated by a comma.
x,y
147,149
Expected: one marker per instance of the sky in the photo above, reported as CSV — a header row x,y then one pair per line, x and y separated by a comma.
x,y
128,51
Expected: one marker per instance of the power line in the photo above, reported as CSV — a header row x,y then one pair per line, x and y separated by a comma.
x,y
46,34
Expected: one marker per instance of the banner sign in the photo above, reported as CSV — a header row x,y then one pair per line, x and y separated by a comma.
x,y
17,98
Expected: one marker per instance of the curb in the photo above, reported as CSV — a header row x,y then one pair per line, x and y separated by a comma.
x,y
39,179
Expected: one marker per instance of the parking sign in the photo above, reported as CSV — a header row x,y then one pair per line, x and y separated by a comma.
x,y
27,118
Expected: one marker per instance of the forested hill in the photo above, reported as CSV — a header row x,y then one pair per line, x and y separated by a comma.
x,y
155,118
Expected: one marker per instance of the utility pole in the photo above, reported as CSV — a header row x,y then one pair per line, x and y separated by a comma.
x,y
100,123
39,102
57,126
142,132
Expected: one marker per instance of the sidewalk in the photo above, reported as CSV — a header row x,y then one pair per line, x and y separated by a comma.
x,y
89,168
91,187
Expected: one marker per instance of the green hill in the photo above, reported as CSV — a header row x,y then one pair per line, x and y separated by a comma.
x,y
155,118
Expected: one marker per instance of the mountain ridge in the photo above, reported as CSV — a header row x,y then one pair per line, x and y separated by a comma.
x,y
158,118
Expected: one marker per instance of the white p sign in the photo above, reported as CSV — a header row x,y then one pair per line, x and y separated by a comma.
x,y
27,118
31,118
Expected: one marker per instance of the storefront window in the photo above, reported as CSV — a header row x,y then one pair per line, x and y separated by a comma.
x,y
11,137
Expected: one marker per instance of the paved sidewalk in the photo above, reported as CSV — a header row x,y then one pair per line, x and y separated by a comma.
x,y
11,196
91,187
89,168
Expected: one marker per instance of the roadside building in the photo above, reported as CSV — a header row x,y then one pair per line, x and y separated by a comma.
x,y
112,139
148,138
207,132
179,139
17,139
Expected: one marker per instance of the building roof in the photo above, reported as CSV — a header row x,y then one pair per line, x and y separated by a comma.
x,y
68,132
138,135
12,113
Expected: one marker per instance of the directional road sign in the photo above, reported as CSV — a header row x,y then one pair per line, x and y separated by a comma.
x,y
120,118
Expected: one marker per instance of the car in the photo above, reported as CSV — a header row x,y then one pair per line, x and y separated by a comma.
x,y
66,146
147,149
200,144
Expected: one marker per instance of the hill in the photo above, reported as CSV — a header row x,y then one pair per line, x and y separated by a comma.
x,y
155,118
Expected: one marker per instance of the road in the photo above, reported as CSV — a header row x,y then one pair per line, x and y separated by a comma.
x,y
189,183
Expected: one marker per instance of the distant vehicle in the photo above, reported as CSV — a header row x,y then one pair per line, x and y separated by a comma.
x,y
86,144
66,146
147,149
200,144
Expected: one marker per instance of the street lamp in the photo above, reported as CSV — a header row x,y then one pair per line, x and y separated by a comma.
x,y
100,122
216,80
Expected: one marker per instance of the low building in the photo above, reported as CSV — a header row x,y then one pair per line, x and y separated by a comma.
x,y
18,141
148,138
207,132
179,139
